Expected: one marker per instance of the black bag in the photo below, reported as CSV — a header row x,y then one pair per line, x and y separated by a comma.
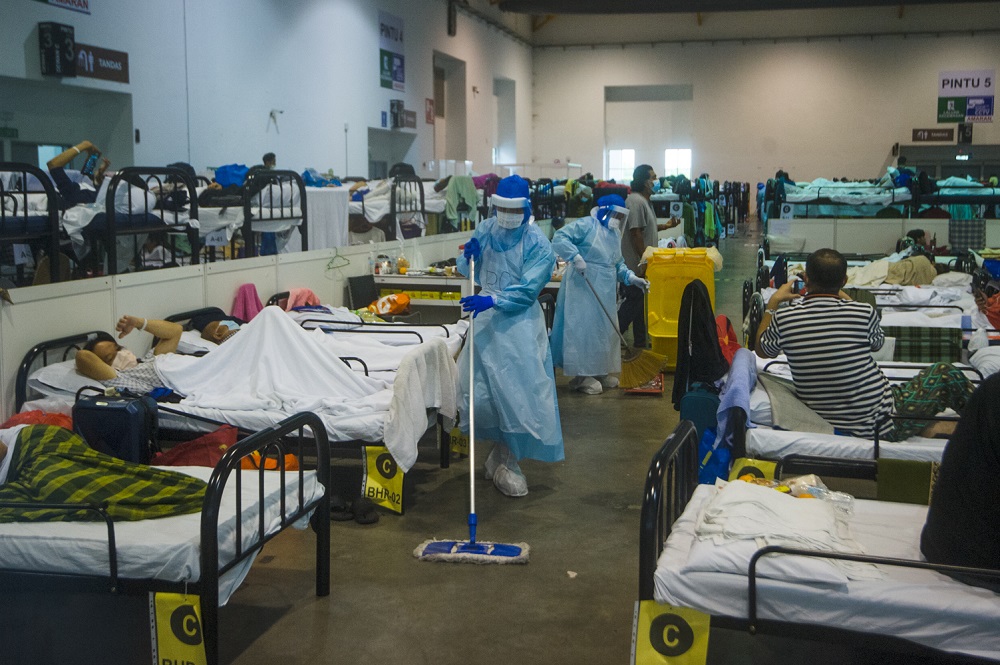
x,y
123,427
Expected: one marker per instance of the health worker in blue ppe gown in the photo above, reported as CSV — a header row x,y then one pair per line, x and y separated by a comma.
x,y
584,341
515,391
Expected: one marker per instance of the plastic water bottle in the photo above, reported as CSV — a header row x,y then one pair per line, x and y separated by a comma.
x,y
371,258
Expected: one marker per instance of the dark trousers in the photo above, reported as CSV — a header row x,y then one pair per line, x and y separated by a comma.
x,y
70,191
633,313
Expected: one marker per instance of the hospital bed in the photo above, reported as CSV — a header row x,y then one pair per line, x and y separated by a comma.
x,y
206,555
418,395
271,200
29,215
137,211
911,611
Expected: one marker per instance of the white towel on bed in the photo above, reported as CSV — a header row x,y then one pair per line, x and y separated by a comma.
x,y
426,379
744,511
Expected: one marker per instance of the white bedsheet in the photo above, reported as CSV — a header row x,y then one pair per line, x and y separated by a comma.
x,y
921,606
298,370
164,549
356,344
773,444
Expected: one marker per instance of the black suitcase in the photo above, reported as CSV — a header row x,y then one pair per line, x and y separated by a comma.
x,y
123,427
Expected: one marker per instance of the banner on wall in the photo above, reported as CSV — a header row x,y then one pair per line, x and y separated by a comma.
x,y
82,6
966,96
392,72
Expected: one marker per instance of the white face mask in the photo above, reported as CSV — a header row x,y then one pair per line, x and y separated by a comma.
x,y
124,359
614,224
509,220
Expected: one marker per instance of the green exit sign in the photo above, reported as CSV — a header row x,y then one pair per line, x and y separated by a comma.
x,y
8,133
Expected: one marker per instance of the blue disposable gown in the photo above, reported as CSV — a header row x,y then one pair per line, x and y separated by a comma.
x,y
584,343
515,384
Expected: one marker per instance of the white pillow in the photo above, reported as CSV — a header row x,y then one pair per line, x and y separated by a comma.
x,y
59,378
987,360
952,279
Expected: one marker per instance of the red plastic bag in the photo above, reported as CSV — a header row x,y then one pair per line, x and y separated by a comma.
x,y
206,450
38,418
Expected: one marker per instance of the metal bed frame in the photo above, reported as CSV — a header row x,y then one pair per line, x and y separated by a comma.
x,y
278,209
670,483
14,223
274,440
141,223
60,349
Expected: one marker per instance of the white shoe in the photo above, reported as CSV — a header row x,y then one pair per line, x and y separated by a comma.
x,y
509,482
492,462
574,383
609,381
590,386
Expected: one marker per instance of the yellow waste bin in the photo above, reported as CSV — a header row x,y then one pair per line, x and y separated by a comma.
x,y
668,272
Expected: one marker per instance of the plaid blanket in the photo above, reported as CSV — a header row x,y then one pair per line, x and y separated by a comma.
x,y
54,465
925,345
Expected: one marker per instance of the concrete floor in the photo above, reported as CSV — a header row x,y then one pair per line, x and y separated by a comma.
x,y
572,603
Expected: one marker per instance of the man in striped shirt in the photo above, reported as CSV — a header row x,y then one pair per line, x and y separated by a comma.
x,y
828,339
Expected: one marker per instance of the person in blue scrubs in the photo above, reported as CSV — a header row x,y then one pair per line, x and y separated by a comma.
x,y
584,341
515,390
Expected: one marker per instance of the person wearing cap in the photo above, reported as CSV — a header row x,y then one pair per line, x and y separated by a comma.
x,y
515,390
584,341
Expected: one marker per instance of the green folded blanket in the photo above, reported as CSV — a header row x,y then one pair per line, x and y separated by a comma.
x,y
54,465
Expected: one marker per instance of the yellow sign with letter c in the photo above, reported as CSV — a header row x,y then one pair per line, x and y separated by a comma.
x,y
667,635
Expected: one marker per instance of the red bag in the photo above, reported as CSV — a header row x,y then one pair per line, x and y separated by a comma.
x,y
728,340
992,310
206,450
38,418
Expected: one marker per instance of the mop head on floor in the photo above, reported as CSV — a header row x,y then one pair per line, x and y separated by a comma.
x,y
462,551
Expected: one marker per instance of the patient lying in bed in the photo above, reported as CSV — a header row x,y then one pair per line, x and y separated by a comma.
x,y
48,464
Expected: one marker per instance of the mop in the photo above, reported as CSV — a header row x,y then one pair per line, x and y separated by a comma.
x,y
639,366
471,551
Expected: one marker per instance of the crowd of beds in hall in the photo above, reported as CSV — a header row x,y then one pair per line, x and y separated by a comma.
x,y
839,575
163,216
350,383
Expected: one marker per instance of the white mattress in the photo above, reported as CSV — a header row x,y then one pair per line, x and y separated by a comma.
x,y
850,193
773,444
164,549
917,605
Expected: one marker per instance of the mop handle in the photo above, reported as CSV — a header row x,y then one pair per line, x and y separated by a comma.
x,y
472,400
605,310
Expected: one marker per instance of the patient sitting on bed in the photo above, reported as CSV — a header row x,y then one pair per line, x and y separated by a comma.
x,y
963,523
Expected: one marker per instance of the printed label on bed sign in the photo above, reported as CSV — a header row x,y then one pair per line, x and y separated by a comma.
x,y
176,629
382,481
459,442
667,634
216,238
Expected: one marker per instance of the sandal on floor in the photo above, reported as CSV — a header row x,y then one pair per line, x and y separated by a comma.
x,y
364,511
339,510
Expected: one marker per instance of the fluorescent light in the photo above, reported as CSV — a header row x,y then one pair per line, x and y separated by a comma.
x,y
962,158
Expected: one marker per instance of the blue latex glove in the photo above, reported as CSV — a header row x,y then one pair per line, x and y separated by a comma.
x,y
472,249
476,304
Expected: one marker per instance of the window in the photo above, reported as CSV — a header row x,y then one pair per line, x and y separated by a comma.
x,y
677,161
621,163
